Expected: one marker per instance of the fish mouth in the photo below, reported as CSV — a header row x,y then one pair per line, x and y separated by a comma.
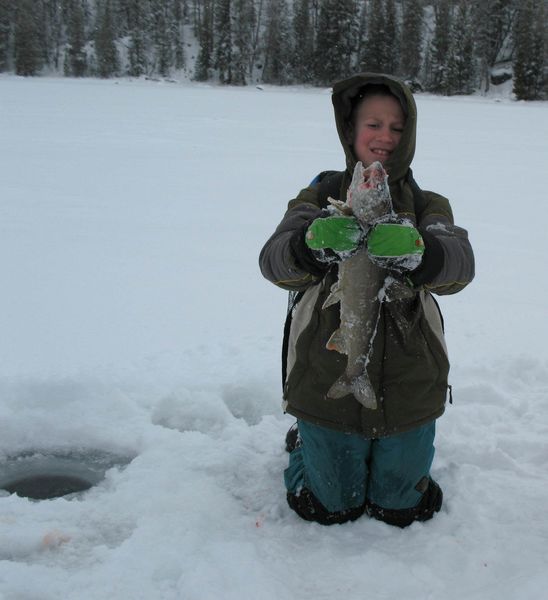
x,y
374,175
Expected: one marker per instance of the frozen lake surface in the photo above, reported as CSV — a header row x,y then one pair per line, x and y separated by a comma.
x,y
134,321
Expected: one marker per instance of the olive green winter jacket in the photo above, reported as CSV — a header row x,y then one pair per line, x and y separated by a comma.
x,y
408,364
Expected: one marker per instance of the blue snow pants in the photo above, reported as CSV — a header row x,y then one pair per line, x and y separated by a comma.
x,y
346,471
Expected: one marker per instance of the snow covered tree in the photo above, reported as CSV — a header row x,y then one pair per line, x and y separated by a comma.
x,y
223,40
28,53
177,33
75,57
204,33
123,14
138,20
6,20
529,39
162,39
256,41
543,25
303,42
336,37
292,41
439,46
244,27
105,48
167,35
277,60
459,72
411,38
361,33
392,41
493,22
53,25
375,56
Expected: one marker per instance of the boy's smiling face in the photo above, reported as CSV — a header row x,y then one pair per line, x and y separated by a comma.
x,y
379,124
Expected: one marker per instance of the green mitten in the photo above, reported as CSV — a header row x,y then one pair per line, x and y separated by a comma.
x,y
341,234
395,246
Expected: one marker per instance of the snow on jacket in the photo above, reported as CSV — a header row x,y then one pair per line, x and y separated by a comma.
x,y
408,365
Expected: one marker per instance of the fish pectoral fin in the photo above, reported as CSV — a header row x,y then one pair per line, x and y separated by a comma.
x,y
336,342
340,205
334,297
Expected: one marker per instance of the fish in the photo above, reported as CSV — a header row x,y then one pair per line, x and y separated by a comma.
x,y
359,285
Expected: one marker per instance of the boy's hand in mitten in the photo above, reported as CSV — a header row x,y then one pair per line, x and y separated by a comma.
x,y
336,233
395,246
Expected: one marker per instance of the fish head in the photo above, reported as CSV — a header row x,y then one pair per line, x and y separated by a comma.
x,y
368,193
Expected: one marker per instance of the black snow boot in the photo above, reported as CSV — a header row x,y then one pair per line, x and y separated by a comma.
x,y
292,438
309,508
430,503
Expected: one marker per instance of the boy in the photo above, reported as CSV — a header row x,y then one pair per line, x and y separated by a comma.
x,y
345,458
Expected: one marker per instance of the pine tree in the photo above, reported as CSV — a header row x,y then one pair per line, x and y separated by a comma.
x,y
204,61
375,57
28,53
348,19
138,23
303,40
52,28
439,48
361,34
459,74
392,40
277,44
493,20
244,27
223,40
411,39
167,35
543,35
309,41
335,40
529,37
162,37
256,40
105,48
122,16
6,20
76,59
177,33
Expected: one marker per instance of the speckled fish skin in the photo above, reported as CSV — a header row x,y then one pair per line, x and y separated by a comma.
x,y
358,286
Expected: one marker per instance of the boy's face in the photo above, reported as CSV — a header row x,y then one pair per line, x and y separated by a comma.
x,y
379,124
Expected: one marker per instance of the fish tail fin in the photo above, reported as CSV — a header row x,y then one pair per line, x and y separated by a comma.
x,y
360,387
342,387
364,392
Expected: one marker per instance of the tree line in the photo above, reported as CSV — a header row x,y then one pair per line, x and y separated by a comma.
x,y
441,46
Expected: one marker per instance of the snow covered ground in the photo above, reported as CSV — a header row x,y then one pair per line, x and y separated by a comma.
x,y
134,320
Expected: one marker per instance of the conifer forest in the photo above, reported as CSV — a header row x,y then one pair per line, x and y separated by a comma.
x,y
440,46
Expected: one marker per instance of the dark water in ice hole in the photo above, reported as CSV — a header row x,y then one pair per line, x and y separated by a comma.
x,y
44,475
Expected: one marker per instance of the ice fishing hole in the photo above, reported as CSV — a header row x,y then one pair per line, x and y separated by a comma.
x,y
42,475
